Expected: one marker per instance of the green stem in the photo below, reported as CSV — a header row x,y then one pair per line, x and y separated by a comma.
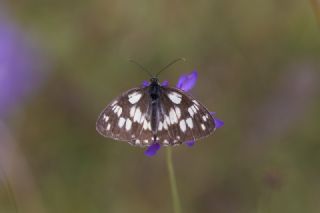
x,y
173,183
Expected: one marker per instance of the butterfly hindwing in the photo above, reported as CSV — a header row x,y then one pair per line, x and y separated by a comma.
x,y
182,118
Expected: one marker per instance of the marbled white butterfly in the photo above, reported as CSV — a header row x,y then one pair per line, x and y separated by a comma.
x,y
155,114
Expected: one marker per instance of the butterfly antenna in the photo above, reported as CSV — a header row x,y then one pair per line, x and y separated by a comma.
x,y
141,67
171,63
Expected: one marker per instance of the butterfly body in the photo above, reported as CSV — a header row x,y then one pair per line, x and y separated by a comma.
x,y
154,92
155,114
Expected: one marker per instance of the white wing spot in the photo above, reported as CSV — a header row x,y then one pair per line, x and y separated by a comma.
x,y
191,111
178,137
145,125
121,122
137,115
196,102
142,119
183,126
173,116
145,141
115,108
178,112
149,126
160,126
165,142
105,118
108,127
128,124
175,97
167,119
119,111
138,142
132,111
134,97
113,103
194,109
204,118
189,122
165,125
203,127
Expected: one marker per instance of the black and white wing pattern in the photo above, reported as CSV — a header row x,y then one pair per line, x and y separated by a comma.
x,y
128,118
182,118
169,118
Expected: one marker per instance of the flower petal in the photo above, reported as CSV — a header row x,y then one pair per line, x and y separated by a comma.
x,y
152,150
165,83
190,143
180,81
219,123
21,65
187,82
145,83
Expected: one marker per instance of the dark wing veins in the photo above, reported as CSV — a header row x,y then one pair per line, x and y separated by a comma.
x,y
127,118
182,118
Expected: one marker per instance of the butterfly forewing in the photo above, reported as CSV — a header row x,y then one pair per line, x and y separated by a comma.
x,y
127,118
182,118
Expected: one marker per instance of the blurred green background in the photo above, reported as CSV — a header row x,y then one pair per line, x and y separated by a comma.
x,y
258,64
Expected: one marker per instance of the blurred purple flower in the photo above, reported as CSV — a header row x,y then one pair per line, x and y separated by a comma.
x,y
219,123
18,76
152,150
186,83
145,83
165,83
190,143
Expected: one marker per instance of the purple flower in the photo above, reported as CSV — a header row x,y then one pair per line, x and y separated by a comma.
x,y
186,83
145,83
18,71
190,143
219,123
152,150
165,83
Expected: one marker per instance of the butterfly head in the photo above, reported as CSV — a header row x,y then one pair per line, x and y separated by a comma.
x,y
154,88
154,80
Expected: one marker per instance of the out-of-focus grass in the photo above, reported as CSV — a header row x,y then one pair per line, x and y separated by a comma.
x,y
263,160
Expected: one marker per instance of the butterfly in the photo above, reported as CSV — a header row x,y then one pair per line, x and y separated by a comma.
x,y
155,113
